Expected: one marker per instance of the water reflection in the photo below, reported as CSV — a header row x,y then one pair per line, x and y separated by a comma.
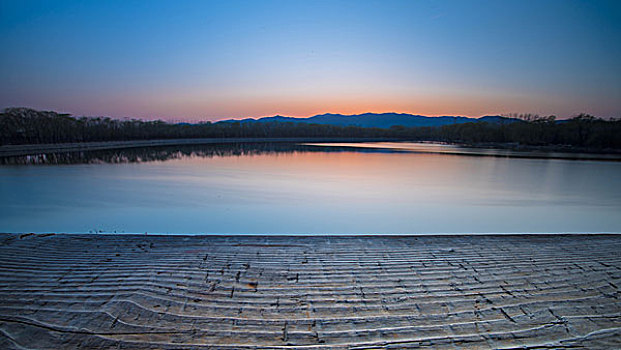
x,y
165,153
302,189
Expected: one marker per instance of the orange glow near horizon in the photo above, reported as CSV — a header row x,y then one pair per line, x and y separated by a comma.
x,y
196,106
303,58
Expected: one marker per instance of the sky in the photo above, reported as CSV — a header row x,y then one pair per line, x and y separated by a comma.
x,y
211,60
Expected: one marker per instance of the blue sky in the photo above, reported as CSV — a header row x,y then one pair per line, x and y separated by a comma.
x,y
190,60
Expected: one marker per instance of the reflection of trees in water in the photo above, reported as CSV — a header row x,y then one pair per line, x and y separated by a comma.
x,y
163,153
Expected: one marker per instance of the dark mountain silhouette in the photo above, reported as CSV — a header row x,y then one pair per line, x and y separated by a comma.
x,y
378,120
24,126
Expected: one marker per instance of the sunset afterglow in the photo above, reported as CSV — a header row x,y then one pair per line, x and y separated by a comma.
x,y
210,60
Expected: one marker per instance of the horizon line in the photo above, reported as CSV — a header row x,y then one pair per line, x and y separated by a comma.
x,y
174,119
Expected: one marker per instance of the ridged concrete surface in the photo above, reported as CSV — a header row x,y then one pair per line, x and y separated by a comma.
x,y
230,292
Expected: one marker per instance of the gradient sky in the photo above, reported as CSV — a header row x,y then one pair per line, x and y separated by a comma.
x,y
191,60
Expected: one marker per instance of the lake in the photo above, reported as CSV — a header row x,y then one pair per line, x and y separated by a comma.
x,y
372,188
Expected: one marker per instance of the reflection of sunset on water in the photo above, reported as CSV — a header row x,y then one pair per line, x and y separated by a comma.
x,y
310,189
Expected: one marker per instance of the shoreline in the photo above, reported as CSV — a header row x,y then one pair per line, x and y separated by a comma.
x,y
476,150
32,149
320,292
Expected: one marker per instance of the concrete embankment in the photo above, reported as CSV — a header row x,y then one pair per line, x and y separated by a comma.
x,y
242,292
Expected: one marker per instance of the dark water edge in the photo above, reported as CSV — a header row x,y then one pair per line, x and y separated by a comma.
x,y
35,149
170,152
165,153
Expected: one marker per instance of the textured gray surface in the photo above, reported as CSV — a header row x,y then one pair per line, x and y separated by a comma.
x,y
174,292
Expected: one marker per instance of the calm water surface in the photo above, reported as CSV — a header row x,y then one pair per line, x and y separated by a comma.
x,y
296,189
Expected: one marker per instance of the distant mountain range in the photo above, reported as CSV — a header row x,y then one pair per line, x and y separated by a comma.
x,y
377,120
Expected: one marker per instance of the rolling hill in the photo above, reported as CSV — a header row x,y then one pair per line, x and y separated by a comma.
x,y
377,120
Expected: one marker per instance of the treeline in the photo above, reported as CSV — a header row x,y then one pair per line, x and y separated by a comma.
x,y
27,126
583,131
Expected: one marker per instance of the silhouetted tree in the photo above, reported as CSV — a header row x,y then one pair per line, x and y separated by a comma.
x,y
27,126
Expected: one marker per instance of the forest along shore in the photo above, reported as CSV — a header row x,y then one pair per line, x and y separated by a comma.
x,y
31,149
332,292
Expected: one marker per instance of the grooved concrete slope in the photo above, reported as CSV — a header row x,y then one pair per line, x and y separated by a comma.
x,y
238,292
